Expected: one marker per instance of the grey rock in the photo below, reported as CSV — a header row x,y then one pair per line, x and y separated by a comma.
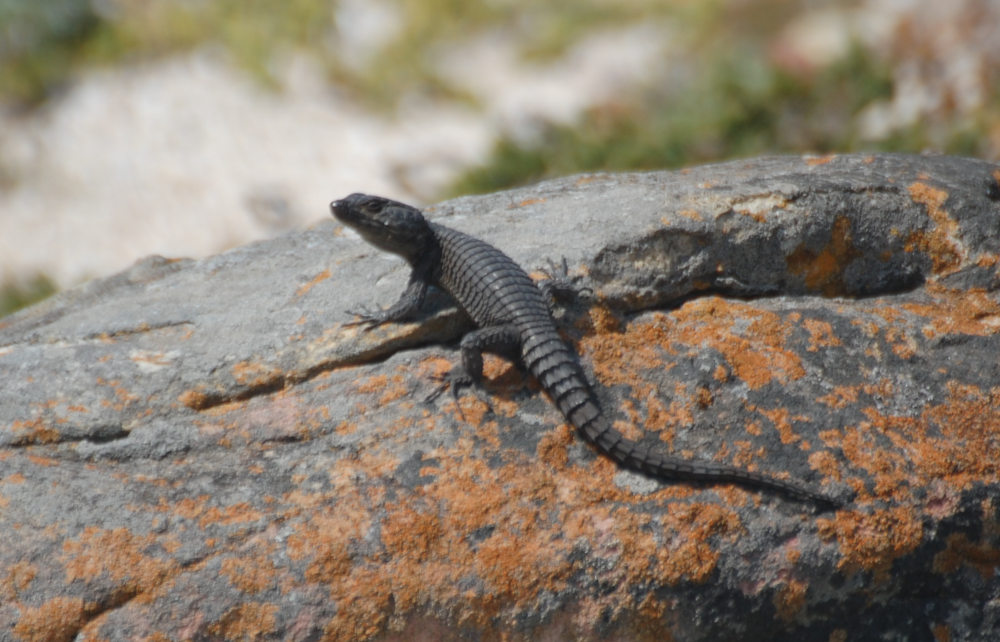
x,y
203,449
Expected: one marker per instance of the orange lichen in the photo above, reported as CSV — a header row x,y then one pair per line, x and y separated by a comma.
x,y
941,633
121,393
303,289
254,375
703,397
782,419
588,178
745,454
195,399
116,552
954,441
246,621
790,599
688,553
823,271
755,354
600,320
324,539
346,428
240,513
366,597
820,335
34,431
372,384
840,397
38,460
515,569
552,447
57,620
186,508
406,531
973,312
758,207
961,551
19,577
942,242
250,575
813,161
871,542
903,344
824,462
381,384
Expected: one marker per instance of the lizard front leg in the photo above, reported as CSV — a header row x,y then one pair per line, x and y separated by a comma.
x,y
406,307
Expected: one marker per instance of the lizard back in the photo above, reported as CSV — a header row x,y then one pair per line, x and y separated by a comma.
x,y
487,283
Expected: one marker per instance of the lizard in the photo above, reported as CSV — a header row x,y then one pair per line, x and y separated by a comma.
x,y
513,318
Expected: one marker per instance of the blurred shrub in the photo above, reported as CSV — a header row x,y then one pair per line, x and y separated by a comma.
x,y
14,297
737,106
38,41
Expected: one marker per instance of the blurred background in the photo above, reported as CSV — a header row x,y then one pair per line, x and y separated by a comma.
x,y
186,127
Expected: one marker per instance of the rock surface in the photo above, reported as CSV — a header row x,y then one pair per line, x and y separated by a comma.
x,y
202,449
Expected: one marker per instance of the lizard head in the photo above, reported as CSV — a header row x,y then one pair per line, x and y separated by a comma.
x,y
388,225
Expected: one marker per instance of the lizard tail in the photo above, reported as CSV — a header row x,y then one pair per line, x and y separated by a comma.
x,y
555,367
591,423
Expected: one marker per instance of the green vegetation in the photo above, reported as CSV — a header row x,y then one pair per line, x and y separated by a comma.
x,y
39,42
737,106
43,43
14,297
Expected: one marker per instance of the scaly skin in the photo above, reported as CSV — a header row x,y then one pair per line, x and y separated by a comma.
x,y
513,318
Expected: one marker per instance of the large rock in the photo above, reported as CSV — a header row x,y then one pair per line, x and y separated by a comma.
x,y
202,449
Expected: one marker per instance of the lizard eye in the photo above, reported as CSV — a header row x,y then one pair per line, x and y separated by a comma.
x,y
375,205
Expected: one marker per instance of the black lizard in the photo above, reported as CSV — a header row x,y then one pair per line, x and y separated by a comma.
x,y
513,318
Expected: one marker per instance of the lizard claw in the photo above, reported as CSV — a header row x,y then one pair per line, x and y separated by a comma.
x,y
559,285
556,271
367,317
455,381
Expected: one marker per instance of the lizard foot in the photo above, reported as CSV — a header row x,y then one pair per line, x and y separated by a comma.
x,y
368,318
455,381
560,286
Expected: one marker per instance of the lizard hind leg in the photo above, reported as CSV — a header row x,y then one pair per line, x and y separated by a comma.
x,y
504,340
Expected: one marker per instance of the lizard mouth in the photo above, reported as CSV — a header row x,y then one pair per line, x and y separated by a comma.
x,y
340,210
351,211
350,216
